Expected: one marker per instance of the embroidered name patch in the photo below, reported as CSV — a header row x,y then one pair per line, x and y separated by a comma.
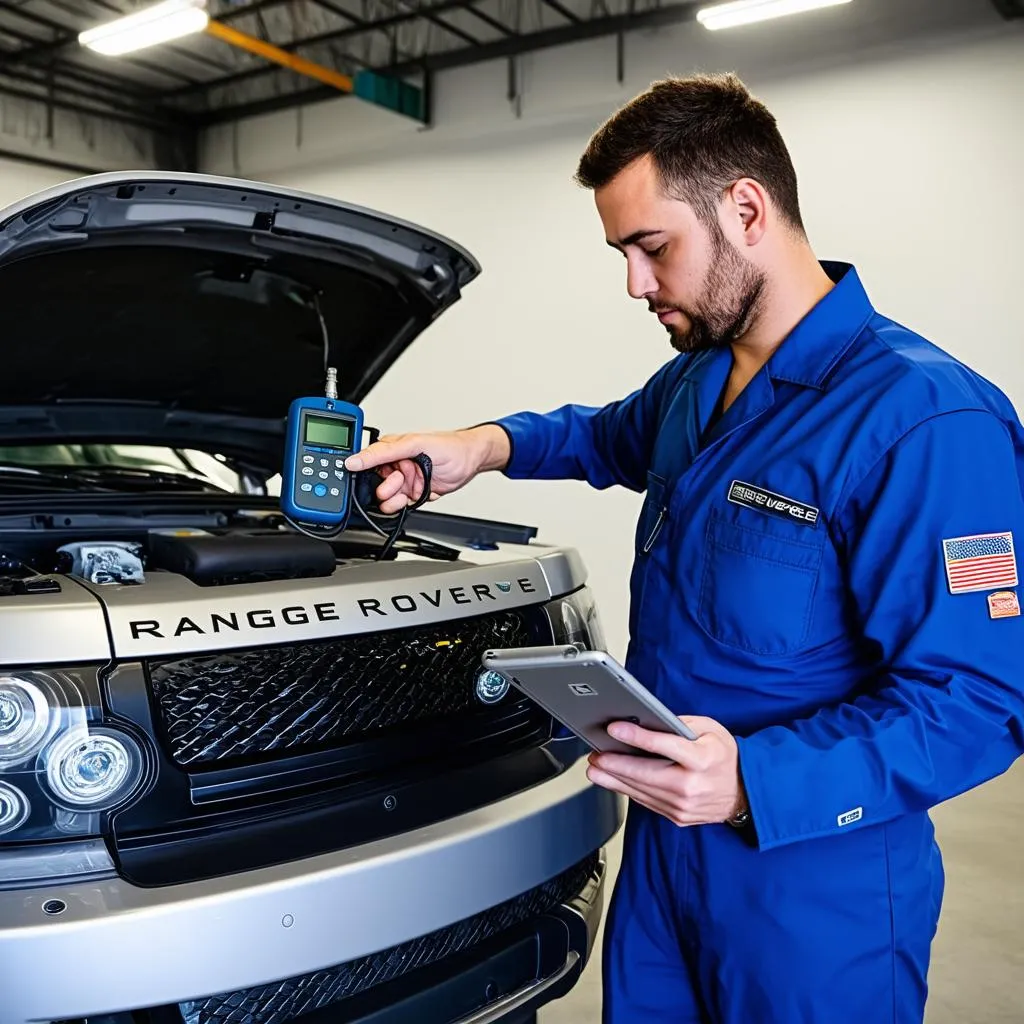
x,y
761,500
1003,604
985,561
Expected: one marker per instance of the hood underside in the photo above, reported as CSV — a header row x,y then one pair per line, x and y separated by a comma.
x,y
184,308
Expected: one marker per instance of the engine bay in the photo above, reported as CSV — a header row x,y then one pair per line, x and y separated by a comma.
x,y
221,552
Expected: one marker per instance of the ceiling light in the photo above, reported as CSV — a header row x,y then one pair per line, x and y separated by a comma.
x,y
746,12
171,19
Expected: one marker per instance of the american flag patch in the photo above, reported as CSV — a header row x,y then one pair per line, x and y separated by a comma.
x,y
983,562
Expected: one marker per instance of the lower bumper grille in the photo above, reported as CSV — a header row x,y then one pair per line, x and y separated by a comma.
x,y
250,705
288,1000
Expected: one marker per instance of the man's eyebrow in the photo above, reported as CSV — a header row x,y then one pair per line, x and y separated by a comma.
x,y
632,239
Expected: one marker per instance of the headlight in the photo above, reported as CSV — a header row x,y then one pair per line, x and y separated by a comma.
x,y
94,769
63,769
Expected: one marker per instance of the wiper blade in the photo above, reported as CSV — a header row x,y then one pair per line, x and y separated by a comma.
x,y
24,479
103,478
140,474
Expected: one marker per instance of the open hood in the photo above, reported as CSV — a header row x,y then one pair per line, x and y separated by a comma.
x,y
185,310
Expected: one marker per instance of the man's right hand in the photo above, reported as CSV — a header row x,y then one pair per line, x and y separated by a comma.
x,y
456,456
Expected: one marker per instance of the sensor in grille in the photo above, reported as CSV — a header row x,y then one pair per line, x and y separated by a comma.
x,y
256,702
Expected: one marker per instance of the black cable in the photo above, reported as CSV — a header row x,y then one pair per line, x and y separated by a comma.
x,y
323,331
426,468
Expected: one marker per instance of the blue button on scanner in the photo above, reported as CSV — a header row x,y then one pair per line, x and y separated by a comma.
x,y
319,490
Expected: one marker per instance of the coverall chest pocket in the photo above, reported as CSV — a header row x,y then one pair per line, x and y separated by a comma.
x,y
757,587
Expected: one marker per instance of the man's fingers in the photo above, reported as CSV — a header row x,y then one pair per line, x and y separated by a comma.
x,y
391,485
652,801
647,772
384,451
689,753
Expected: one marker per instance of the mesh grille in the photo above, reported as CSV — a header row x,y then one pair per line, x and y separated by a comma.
x,y
257,702
286,1000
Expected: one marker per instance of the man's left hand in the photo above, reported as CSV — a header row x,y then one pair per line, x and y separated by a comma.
x,y
698,783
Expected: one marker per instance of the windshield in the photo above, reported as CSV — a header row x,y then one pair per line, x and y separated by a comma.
x,y
207,470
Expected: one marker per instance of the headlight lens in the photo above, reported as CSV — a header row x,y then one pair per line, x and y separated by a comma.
x,y
24,719
14,808
93,769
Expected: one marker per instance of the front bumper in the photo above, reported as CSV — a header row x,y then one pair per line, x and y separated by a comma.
x,y
118,947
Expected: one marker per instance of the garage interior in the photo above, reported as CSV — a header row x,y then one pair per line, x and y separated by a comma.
x,y
468,116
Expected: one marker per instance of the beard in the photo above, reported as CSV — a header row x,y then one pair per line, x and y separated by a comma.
x,y
732,297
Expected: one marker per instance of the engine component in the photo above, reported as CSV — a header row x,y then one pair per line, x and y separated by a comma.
x,y
211,560
104,561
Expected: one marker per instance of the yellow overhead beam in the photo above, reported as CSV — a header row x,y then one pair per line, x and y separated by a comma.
x,y
274,53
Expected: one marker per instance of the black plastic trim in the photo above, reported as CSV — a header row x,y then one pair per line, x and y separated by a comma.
x,y
225,845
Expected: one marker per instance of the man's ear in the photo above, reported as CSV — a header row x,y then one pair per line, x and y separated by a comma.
x,y
749,203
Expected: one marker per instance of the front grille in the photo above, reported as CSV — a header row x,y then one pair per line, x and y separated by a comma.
x,y
286,1000
257,703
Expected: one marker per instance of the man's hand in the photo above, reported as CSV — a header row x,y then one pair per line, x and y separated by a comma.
x,y
699,785
456,456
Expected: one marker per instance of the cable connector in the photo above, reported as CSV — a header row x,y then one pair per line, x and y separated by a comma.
x,y
332,383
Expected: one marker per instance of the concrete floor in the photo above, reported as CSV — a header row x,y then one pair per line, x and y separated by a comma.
x,y
977,972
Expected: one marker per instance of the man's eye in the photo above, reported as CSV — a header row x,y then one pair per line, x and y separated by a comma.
x,y
655,253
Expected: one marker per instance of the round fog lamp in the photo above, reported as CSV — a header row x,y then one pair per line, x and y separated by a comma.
x,y
14,808
24,718
93,769
491,686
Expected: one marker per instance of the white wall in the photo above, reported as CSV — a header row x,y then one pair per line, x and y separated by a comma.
x,y
909,152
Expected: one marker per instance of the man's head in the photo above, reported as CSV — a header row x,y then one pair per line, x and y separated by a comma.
x,y
691,178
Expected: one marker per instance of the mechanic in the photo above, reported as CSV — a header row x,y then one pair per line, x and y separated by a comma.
x,y
824,586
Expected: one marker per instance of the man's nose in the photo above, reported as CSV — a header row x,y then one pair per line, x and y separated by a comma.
x,y
640,281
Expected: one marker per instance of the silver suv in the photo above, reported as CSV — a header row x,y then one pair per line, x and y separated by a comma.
x,y
248,775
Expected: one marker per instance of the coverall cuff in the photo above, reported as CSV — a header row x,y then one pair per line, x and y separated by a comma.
x,y
522,445
754,770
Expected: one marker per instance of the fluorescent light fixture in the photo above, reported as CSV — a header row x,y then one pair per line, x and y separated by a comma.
x,y
160,23
746,12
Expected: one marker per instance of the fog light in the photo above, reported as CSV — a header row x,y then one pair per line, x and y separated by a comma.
x,y
24,719
93,769
14,808
491,686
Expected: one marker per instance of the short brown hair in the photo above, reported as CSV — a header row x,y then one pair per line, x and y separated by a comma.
x,y
703,133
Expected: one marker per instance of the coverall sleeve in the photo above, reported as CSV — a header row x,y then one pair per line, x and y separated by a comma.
x,y
946,710
604,445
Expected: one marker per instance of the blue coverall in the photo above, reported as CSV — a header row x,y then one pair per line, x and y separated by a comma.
x,y
824,570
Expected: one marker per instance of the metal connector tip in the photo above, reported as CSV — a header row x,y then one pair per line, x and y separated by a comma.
x,y
332,382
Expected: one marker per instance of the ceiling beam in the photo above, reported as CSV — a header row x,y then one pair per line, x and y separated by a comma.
x,y
559,8
153,123
333,36
511,46
50,82
564,35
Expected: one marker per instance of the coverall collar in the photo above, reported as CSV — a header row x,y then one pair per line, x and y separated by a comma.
x,y
814,347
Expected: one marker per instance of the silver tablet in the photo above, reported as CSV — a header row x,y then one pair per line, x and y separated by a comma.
x,y
586,691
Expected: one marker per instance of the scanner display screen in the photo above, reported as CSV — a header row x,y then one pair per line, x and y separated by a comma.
x,y
328,430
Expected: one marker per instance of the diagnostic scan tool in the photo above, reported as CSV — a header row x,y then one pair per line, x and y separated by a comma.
x,y
316,489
